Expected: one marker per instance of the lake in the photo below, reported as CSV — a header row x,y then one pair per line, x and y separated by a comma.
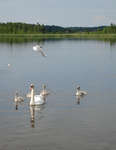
x,y
64,122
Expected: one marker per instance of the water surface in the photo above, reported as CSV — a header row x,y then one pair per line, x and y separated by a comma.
x,y
62,123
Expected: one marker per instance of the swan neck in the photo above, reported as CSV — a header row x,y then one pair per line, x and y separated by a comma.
x,y
44,88
32,97
78,90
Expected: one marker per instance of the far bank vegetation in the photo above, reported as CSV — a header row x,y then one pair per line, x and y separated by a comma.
x,y
24,28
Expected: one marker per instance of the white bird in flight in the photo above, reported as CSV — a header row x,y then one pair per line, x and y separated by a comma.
x,y
38,48
9,65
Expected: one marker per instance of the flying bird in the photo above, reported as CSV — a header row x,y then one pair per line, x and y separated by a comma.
x,y
39,49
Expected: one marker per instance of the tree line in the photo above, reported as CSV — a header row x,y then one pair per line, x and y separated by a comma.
x,y
20,28
110,29
25,28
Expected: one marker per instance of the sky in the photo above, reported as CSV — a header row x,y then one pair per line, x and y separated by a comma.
x,y
59,12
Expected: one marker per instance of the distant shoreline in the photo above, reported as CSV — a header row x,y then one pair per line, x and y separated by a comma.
x,y
66,35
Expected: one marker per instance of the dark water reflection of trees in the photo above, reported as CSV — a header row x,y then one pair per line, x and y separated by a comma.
x,y
22,40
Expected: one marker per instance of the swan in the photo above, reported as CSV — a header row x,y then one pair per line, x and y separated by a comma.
x,y
79,92
44,92
36,99
18,98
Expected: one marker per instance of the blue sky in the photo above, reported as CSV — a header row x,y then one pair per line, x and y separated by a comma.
x,y
59,12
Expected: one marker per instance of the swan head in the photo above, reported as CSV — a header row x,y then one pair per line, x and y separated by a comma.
x,y
16,94
44,86
31,86
78,87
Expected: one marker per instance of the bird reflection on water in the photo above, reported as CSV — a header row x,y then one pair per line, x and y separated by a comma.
x,y
17,105
79,98
36,114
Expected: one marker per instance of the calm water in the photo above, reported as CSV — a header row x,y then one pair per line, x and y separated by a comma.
x,y
62,123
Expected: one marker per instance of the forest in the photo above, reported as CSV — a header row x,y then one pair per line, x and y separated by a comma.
x,y
25,28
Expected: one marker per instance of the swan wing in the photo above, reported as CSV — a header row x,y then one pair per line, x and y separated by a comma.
x,y
34,48
84,92
38,99
19,99
45,93
80,93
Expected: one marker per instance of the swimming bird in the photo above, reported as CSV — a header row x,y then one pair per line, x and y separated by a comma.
x,y
79,92
18,98
44,92
28,95
36,99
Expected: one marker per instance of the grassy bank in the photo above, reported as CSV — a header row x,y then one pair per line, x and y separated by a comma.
x,y
25,38
74,35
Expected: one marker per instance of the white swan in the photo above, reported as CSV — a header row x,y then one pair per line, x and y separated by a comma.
x,y
36,99
44,92
18,98
80,93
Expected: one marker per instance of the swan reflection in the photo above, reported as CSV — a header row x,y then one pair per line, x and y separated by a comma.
x,y
16,105
36,114
79,98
